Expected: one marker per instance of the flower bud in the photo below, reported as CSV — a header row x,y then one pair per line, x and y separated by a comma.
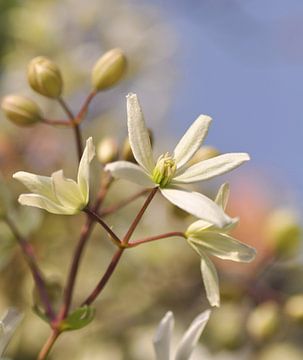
x,y
294,307
44,77
204,153
21,110
109,69
283,232
107,150
264,320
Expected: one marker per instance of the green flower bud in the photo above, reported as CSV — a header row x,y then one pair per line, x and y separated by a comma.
x,y
108,70
127,153
44,77
164,170
294,307
107,150
283,232
21,110
264,320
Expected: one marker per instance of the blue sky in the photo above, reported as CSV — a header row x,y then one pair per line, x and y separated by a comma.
x,y
242,63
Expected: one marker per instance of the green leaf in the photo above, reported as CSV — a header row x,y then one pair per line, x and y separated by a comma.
x,y
78,319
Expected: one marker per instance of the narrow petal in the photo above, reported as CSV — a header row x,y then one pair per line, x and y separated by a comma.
x,y
191,337
67,191
210,168
210,280
138,134
198,227
225,247
41,185
191,140
129,171
83,171
8,325
162,337
198,205
42,202
223,196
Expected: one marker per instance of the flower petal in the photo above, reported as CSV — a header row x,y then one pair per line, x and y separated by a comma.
x,y
42,202
223,196
8,325
129,171
191,140
210,168
198,227
224,247
41,185
198,205
210,280
83,171
68,192
138,134
192,335
162,337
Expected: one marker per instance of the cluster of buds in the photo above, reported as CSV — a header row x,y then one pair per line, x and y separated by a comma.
x,y
45,77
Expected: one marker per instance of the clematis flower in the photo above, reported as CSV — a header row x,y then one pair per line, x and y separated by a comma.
x,y
170,172
206,238
57,194
8,325
188,342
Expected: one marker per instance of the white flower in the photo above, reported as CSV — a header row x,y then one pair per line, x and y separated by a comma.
x,y
171,171
57,194
8,325
205,238
188,342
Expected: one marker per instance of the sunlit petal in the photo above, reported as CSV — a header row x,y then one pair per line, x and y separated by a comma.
x,y
162,337
198,205
191,337
191,140
210,168
129,171
83,171
42,202
225,247
223,196
138,134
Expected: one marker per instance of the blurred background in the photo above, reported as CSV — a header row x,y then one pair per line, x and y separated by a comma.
x,y
240,62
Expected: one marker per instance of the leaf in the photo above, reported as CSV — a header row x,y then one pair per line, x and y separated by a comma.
x,y
78,319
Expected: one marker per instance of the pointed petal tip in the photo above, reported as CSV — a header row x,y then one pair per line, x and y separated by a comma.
x,y
131,95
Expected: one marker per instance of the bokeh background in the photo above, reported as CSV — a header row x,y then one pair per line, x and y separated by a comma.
x,y
238,61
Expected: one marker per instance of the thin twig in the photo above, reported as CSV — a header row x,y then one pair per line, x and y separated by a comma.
x,y
48,345
84,107
28,253
156,237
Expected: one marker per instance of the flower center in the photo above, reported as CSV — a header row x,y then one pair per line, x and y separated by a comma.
x,y
164,170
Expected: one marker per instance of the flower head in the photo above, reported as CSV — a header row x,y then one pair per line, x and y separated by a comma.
x,y
206,238
57,194
188,342
172,171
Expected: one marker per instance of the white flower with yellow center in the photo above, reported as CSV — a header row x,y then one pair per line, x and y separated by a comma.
x,y
57,194
171,171
206,238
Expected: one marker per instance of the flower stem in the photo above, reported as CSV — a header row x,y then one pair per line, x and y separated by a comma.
x,y
84,107
156,237
117,255
48,345
28,253
75,125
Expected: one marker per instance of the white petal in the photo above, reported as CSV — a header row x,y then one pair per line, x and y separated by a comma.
x,y
138,134
37,184
192,335
67,191
8,325
198,205
223,196
225,247
42,202
210,168
191,140
198,227
210,280
162,337
83,171
129,171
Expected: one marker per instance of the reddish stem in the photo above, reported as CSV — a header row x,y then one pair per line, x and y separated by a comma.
x,y
48,345
157,237
85,106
